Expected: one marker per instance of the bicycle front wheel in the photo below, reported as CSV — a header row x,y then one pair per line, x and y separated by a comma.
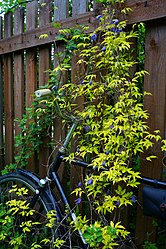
x,y
20,225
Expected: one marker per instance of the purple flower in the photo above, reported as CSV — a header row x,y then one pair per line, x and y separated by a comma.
x,y
63,93
107,152
82,82
103,164
122,132
111,126
115,21
78,149
99,17
79,184
108,192
54,88
95,168
87,128
90,82
90,181
116,30
93,38
134,199
78,201
103,49
117,203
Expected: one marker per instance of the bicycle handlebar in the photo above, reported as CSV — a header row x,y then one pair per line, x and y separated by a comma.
x,y
153,182
64,115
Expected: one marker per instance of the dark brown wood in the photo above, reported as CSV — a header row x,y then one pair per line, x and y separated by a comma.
x,y
76,173
155,64
44,66
31,66
31,61
60,13
8,95
18,70
1,104
44,51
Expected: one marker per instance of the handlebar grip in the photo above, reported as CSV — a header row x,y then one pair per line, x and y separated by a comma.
x,y
42,92
64,115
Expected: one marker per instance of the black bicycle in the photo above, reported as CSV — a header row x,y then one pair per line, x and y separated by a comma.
x,y
24,191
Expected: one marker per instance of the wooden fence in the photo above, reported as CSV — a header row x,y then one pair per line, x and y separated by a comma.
x,y
25,59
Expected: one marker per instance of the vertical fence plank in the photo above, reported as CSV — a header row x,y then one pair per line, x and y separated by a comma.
x,y
31,63
155,64
44,66
79,7
31,60
44,51
8,94
60,13
61,9
18,70
1,105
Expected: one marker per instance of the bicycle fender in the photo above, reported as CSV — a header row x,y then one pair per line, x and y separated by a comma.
x,y
36,179
50,195
30,175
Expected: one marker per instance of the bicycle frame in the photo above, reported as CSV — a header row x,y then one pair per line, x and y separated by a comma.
x,y
61,154
53,175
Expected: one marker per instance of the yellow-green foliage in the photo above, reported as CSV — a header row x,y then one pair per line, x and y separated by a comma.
x,y
19,229
114,124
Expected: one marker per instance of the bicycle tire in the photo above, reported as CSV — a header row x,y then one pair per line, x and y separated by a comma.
x,y
60,230
42,206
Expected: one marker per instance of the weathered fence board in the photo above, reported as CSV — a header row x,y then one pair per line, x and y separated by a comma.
x,y
61,12
79,7
8,94
18,70
31,65
155,63
143,11
44,65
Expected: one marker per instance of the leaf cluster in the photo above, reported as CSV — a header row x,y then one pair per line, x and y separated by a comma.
x,y
18,227
36,124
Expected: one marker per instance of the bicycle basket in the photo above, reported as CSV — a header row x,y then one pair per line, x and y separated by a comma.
x,y
154,202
